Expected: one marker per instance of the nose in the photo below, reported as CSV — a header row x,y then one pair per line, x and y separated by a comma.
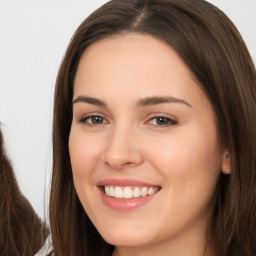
x,y
123,149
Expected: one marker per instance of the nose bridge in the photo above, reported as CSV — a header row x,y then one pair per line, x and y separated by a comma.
x,y
123,146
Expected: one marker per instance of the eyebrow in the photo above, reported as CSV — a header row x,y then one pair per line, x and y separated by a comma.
x,y
90,100
148,101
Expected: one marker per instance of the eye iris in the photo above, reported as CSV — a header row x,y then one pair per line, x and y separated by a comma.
x,y
97,120
162,121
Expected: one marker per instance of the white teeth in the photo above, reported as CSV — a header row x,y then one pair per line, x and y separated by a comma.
x,y
150,191
118,192
111,191
107,190
129,192
144,191
136,192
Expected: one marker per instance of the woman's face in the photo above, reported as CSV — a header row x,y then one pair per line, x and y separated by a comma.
x,y
143,143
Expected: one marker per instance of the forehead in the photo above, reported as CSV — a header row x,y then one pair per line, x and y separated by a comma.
x,y
136,52
121,71
132,46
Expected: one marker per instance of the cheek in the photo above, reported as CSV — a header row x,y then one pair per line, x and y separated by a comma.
x,y
188,163
188,155
84,153
84,156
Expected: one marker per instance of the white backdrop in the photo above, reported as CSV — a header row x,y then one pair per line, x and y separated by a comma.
x,y
33,37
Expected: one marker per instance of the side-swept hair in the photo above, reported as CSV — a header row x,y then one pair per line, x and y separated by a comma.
x,y
21,231
213,49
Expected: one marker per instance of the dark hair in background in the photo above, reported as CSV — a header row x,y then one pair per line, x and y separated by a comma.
x,y
213,49
21,231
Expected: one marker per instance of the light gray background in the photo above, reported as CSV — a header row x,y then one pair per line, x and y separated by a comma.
x,y
33,37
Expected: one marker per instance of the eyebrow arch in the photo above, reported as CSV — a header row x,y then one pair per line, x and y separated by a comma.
x,y
149,101
90,100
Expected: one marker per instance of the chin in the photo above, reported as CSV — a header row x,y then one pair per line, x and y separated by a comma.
x,y
122,238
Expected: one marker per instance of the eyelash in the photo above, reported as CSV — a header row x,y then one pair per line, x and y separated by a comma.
x,y
166,121
84,120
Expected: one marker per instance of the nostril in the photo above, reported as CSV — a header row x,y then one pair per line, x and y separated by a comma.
x,y
127,163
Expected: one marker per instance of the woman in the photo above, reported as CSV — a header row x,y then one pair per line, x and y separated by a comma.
x,y
21,231
154,134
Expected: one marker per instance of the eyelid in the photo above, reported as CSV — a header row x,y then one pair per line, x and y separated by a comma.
x,y
85,117
90,117
172,120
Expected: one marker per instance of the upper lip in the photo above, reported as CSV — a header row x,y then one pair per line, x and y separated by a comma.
x,y
124,183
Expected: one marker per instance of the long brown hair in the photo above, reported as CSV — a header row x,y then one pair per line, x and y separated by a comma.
x,y
21,231
213,49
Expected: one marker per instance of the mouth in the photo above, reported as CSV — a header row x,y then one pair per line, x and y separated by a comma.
x,y
125,195
129,192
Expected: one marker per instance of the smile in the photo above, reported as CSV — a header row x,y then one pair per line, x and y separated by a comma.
x,y
130,191
126,195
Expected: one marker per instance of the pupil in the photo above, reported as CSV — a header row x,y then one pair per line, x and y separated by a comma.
x,y
96,120
162,120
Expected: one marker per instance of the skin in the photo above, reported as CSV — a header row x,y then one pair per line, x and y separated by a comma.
x,y
181,155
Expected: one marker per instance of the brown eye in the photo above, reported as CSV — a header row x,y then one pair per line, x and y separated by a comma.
x,y
162,121
93,120
97,120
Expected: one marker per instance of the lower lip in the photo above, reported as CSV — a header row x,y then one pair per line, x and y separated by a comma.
x,y
125,204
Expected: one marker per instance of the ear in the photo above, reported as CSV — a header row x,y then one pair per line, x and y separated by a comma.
x,y
226,163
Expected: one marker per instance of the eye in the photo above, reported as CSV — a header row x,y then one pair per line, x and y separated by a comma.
x,y
93,120
162,121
